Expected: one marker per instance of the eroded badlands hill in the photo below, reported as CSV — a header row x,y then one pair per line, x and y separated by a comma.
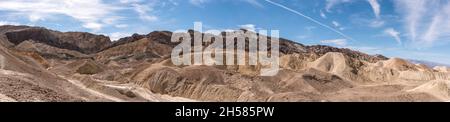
x,y
47,65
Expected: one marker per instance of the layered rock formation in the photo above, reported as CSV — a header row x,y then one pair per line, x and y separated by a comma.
x,y
79,41
47,65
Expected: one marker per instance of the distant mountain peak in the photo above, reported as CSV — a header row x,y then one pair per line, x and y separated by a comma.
x,y
428,63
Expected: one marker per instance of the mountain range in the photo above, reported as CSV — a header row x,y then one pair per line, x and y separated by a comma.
x,y
40,64
428,63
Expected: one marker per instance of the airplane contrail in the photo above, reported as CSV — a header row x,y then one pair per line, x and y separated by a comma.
x,y
309,18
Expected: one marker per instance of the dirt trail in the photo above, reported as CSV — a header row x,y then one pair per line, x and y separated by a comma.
x,y
145,93
96,93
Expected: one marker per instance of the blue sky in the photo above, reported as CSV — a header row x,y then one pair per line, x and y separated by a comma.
x,y
413,29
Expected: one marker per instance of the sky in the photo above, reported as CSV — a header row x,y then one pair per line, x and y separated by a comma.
x,y
411,29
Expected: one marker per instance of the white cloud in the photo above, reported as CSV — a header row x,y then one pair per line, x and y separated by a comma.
x,y
93,26
393,33
198,2
375,7
129,1
323,15
439,27
426,22
432,33
91,13
121,26
331,3
117,35
309,18
413,10
142,10
309,32
310,28
335,24
372,50
111,20
303,37
250,27
8,23
145,8
338,42
254,3
376,23
229,30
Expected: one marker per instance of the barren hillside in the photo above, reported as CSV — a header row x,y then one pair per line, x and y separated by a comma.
x,y
46,65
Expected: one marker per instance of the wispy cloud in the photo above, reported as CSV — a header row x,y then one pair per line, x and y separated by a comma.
x,y
143,11
130,1
337,42
91,13
309,33
117,35
143,8
250,27
395,34
331,3
8,23
254,3
376,23
369,49
301,37
439,27
413,10
121,26
310,19
198,2
336,24
322,14
375,7
426,22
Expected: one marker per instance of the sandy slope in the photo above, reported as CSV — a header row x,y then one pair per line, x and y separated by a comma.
x,y
107,86
439,89
4,98
23,87
147,94
96,93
